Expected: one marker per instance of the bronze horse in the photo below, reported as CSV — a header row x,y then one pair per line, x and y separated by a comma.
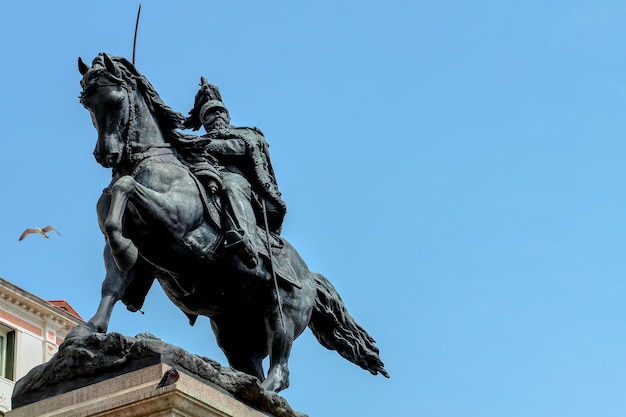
x,y
156,226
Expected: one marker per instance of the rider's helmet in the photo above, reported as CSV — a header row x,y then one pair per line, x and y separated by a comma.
x,y
211,104
207,97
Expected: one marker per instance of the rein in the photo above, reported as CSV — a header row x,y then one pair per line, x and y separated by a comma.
x,y
144,151
132,114
140,154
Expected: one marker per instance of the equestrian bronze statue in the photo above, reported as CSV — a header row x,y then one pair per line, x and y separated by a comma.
x,y
167,215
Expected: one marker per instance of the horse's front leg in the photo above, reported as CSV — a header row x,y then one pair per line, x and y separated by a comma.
x,y
174,207
124,252
113,287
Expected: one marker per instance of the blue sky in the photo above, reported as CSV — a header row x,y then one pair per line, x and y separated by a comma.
x,y
455,169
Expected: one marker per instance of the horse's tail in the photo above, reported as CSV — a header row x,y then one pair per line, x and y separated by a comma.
x,y
335,329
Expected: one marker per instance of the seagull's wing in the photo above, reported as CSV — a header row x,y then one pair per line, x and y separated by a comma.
x,y
26,233
50,228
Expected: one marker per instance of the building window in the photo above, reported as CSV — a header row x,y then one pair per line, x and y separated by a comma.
x,y
7,353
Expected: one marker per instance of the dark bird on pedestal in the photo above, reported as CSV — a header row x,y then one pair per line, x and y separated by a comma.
x,y
169,378
43,232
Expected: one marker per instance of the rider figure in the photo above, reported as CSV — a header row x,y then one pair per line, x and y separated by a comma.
x,y
247,175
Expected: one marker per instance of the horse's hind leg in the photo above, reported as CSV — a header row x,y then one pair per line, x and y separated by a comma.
x,y
280,339
244,348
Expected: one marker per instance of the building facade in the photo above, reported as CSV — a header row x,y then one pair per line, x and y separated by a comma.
x,y
31,330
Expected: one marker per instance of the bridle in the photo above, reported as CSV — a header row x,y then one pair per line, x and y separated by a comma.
x,y
134,151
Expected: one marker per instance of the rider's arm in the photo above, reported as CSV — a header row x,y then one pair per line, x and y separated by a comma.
x,y
227,147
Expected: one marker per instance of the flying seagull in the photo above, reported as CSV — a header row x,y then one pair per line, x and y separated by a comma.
x,y
169,378
43,232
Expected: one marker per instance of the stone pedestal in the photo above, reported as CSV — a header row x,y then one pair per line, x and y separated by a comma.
x,y
116,375
134,394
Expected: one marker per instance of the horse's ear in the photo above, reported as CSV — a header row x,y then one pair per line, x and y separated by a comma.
x,y
111,66
82,67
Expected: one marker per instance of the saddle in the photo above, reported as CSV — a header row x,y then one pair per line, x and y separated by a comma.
x,y
204,245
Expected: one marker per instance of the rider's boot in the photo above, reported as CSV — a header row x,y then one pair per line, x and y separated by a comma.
x,y
240,220
237,241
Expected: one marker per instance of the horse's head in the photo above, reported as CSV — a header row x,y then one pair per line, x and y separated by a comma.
x,y
106,94
126,110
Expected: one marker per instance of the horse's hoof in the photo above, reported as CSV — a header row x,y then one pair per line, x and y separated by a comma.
x,y
277,380
80,330
273,386
126,257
